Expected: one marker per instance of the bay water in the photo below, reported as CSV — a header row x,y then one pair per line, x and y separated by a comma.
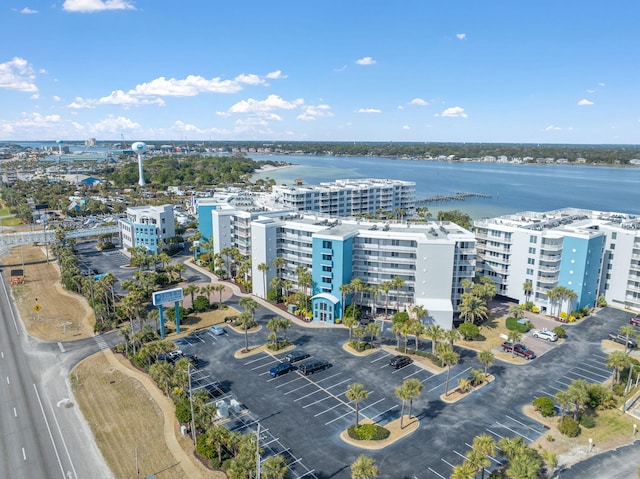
x,y
512,187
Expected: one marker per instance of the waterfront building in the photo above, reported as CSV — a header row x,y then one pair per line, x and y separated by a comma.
x,y
147,226
349,197
588,252
431,259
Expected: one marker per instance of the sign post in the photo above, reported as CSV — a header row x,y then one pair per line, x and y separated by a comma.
x,y
168,296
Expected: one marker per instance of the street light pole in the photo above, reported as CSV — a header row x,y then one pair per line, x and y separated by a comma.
x,y
193,422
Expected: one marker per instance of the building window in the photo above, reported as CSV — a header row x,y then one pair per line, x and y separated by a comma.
x,y
326,268
614,235
533,239
531,261
529,271
532,250
612,246
326,257
327,244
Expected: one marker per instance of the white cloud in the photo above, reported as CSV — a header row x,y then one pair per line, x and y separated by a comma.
x,y
341,69
591,91
418,101
56,98
113,125
454,112
187,127
89,6
553,128
313,112
461,36
117,97
406,127
250,79
263,108
602,84
276,75
368,110
17,74
585,102
35,96
28,11
365,61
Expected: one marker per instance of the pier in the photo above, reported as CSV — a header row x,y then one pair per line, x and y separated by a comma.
x,y
458,196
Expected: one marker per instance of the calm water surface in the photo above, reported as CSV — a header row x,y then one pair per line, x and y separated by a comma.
x,y
513,188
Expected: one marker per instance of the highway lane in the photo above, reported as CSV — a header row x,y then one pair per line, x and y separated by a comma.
x,y
42,433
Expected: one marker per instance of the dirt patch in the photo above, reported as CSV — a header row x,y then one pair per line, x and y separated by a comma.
x,y
62,315
124,415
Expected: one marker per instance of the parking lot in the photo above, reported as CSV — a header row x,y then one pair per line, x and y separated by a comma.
x,y
304,415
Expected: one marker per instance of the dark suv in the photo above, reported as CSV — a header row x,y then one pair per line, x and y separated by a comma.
x,y
400,361
518,349
313,365
295,356
282,368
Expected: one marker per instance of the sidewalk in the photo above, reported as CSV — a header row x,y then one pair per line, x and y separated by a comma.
x,y
236,291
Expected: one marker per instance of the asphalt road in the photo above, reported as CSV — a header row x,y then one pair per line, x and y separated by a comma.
x,y
306,414
43,432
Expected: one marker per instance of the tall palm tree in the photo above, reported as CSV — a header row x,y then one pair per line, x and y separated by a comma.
x,y
478,461
385,287
364,467
356,392
486,357
449,357
516,311
485,445
472,308
451,335
415,388
627,331
398,284
420,312
435,333
617,360
345,290
279,264
245,319
263,268
527,288
403,393
192,290
358,286
466,470
274,467
207,289
350,322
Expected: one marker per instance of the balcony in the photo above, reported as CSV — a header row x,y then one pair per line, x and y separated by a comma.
x,y
549,269
550,258
551,247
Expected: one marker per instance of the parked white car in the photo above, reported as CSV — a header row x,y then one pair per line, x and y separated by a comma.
x,y
545,334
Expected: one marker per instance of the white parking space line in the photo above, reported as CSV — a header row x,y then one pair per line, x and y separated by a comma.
x,y
418,371
589,378
338,384
371,405
327,410
384,356
326,379
338,418
310,394
459,454
289,382
301,387
492,458
447,463
436,473
564,384
601,356
494,433
513,431
545,393
523,424
598,366
384,412
261,358
400,370
265,364
316,402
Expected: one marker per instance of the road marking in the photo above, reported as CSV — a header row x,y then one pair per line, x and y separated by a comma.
x,y
493,459
453,377
371,405
261,358
13,316
553,387
494,433
459,454
338,384
381,357
61,347
263,365
8,382
24,454
513,431
384,412
15,413
288,382
327,410
55,449
588,378
338,418
564,384
310,383
437,474
523,424
102,344
447,463
418,371
2,354
310,394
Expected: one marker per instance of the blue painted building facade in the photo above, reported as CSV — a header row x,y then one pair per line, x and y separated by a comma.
x,y
580,267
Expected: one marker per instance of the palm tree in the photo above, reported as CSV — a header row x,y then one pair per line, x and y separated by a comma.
x,y
627,331
191,290
415,388
514,337
397,284
263,268
356,392
245,319
279,264
451,335
350,322
472,308
417,329
420,312
364,467
485,445
618,360
478,461
435,333
466,470
207,289
527,288
358,286
486,357
404,394
516,311
385,287
346,290
274,467
219,289
448,357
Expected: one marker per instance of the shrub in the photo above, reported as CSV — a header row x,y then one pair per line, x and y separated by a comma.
x,y
200,303
183,410
434,359
513,325
587,421
601,301
535,309
162,279
571,318
274,295
368,432
528,306
468,331
600,396
562,315
545,405
560,331
569,427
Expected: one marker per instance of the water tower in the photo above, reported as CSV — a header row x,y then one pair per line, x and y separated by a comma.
x,y
139,148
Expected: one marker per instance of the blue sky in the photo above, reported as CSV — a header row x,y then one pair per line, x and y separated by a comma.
x,y
543,71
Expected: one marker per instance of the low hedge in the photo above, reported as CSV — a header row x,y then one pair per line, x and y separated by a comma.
x,y
368,432
513,325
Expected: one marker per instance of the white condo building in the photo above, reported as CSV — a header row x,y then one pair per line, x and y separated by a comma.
x,y
349,197
589,252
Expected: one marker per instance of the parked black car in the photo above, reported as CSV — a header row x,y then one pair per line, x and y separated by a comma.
x,y
282,368
313,365
295,356
400,361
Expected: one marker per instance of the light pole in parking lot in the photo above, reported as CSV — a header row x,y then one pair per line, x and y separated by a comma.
x,y
193,422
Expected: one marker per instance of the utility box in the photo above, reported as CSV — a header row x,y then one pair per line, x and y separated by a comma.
x,y
184,430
